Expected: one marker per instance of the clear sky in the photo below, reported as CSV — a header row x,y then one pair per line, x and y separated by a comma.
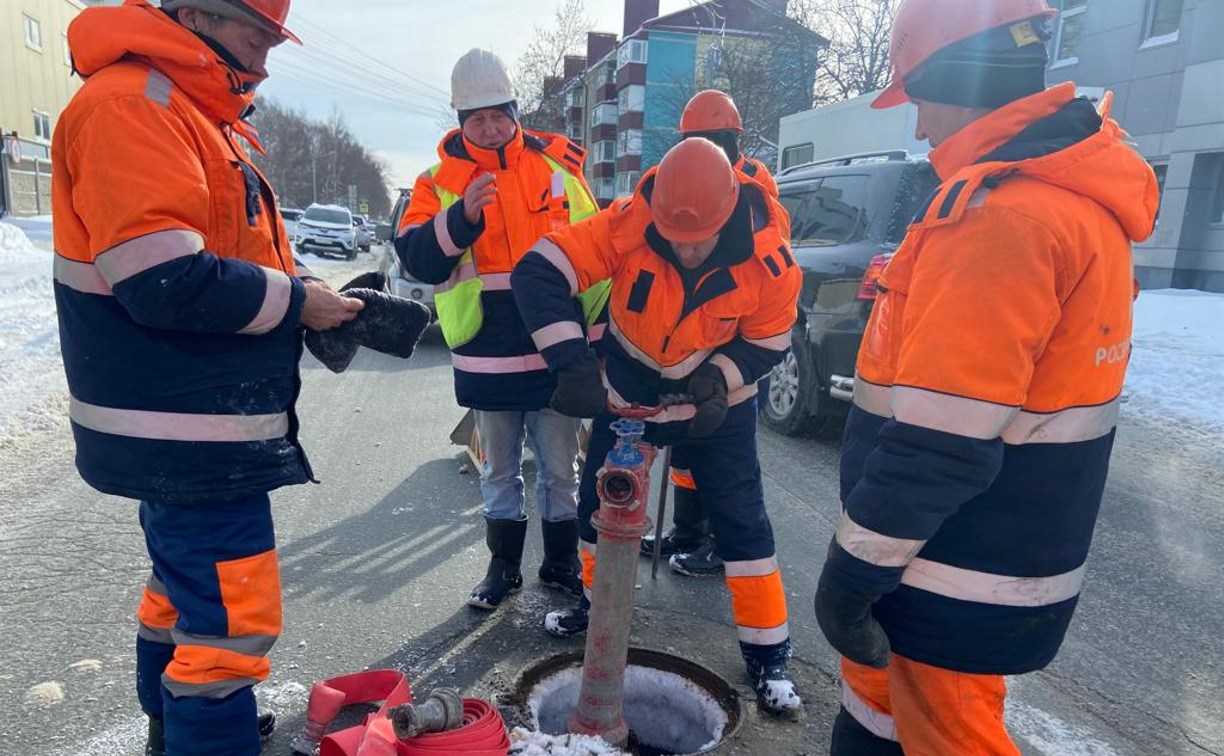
x,y
385,64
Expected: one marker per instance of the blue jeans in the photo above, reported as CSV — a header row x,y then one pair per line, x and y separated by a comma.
x,y
554,441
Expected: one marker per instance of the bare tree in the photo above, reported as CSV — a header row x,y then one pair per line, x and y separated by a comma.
x,y
856,60
544,61
769,75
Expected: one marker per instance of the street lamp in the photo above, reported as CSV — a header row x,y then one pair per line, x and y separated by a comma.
x,y
314,173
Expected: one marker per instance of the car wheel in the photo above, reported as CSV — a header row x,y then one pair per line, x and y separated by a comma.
x,y
792,396
351,254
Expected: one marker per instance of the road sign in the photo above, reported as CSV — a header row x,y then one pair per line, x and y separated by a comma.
x,y
352,196
363,208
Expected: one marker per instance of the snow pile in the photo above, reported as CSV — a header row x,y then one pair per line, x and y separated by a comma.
x,y
524,742
666,710
32,384
1176,371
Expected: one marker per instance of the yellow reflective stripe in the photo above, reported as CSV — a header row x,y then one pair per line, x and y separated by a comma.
x,y
875,548
125,260
948,413
277,297
1063,427
79,276
177,426
988,588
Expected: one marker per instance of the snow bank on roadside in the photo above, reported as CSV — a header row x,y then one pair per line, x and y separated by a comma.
x,y
1176,372
32,382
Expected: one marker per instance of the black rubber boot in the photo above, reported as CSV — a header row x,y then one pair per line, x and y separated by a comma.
x,y
690,526
504,577
155,742
561,568
569,622
850,738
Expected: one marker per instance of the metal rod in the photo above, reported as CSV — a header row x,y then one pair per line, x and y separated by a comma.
x,y
660,515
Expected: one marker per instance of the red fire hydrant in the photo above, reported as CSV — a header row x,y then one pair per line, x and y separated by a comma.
x,y
623,487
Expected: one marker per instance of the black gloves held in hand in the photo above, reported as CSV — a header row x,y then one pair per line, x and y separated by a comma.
x,y
708,387
580,391
388,324
844,615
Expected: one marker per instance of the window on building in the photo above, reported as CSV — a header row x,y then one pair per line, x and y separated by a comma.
x,y
1161,170
33,32
574,97
631,99
632,51
603,113
603,151
42,126
1069,31
1162,21
629,142
797,155
1215,211
605,188
626,182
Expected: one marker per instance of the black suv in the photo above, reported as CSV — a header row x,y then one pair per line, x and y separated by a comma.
x,y
848,215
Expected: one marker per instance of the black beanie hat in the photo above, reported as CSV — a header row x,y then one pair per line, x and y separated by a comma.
x,y
509,108
728,139
987,70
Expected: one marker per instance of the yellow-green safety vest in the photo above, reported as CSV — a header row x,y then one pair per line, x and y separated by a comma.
x,y
459,311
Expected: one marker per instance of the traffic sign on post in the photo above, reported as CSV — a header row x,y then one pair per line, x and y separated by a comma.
x,y
363,208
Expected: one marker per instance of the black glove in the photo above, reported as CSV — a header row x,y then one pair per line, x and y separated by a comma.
x,y
708,387
844,615
580,390
388,324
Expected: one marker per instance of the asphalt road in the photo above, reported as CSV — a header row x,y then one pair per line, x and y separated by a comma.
x,y
378,558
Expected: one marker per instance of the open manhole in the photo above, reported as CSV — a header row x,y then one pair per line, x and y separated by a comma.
x,y
672,706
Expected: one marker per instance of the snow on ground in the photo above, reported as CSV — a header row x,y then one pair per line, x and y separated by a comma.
x,y
1176,374
32,385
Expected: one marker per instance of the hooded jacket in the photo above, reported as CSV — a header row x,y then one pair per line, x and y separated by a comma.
x,y
178,302
988,384
540,188
735,311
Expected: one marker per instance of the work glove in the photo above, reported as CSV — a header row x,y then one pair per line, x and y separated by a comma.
x,y
844,615
388,324
580,390
708,387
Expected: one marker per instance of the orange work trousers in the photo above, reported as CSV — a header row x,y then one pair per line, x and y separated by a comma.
x,y
928,710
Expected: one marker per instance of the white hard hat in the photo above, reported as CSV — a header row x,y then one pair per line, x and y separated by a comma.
x,y
480,80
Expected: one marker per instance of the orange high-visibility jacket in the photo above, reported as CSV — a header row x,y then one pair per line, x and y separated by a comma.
x,y
735,312
988,386
176,287
540,187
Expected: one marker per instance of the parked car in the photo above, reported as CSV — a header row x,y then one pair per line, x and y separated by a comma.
x,y
848,215
326,229
290,215
365,234
398,281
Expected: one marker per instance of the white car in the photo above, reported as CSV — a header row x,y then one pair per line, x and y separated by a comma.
x,y
398,281
290,215
326,229
365,235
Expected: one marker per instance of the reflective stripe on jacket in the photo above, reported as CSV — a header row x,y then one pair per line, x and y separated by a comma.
x,y
175,285
539,189
987,389
735,312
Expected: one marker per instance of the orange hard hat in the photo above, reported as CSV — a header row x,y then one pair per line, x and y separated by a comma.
x,y
268,14
923,27
710,110
695,191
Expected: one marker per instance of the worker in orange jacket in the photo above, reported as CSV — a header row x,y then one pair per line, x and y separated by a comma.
x,y
987,388
181,312
496,189
710,114
703,300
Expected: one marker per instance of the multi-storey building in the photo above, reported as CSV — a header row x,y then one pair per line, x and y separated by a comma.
x,y
36,86
1163,60
625,104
